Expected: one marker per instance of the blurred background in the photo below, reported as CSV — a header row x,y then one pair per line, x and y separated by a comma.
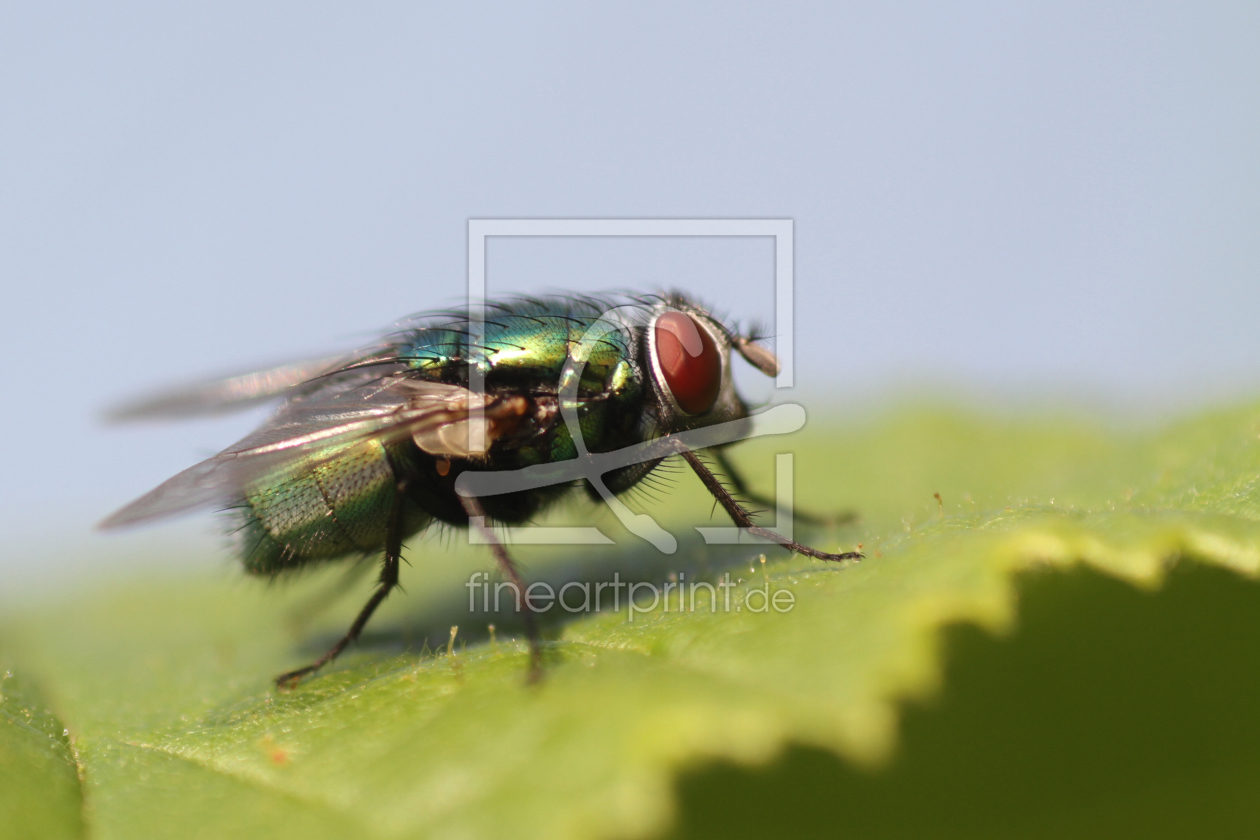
x,y
995,203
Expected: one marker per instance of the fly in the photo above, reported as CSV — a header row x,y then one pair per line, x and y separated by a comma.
x,y
369,448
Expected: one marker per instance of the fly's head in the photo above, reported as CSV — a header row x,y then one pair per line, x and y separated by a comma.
x,y
688,352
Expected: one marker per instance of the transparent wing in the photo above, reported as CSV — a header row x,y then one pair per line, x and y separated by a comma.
x,y
353,406
229,393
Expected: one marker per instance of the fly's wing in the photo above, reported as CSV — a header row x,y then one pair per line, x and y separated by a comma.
x,y
351,407
223,395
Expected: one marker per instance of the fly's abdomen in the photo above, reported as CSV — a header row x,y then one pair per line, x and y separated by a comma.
x,y
338,506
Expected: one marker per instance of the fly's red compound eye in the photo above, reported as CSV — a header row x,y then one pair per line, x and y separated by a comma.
x,y
689,361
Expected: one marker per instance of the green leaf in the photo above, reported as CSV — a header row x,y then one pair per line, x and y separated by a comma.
x,y
39,781
1110,712
165,682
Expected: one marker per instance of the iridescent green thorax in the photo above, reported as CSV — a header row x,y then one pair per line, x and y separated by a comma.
x,y
525,348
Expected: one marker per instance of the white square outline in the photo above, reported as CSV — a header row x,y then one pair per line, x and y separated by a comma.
x,y
783,232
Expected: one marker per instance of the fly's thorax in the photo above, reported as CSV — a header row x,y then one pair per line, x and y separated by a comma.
x,y
526,351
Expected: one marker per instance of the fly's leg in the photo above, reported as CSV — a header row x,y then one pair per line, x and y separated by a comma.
x,y
742,518
472,506
388,580
741,487
299,615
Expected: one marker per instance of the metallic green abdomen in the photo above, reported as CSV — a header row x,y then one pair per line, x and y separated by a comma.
x,y
338,506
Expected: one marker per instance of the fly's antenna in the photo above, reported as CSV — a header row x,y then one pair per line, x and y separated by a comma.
x,y
760,357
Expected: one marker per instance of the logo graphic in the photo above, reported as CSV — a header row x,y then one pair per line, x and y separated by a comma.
x,y
781,419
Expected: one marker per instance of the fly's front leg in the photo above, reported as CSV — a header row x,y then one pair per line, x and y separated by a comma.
x,y
388,580
476,513
741,488
744,520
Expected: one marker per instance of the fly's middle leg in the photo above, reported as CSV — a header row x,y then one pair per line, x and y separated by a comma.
x,y
477,518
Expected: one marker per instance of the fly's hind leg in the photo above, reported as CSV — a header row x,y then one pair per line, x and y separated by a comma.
x,y
385,584
299,616
744,520
477,518
741,488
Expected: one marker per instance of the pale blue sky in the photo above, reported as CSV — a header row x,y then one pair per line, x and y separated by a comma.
x,y
1020,198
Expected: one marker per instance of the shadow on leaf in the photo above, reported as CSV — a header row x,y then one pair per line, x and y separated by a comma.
x,y
1109,712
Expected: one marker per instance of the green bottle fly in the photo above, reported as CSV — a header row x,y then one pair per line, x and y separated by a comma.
x,y
367,449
